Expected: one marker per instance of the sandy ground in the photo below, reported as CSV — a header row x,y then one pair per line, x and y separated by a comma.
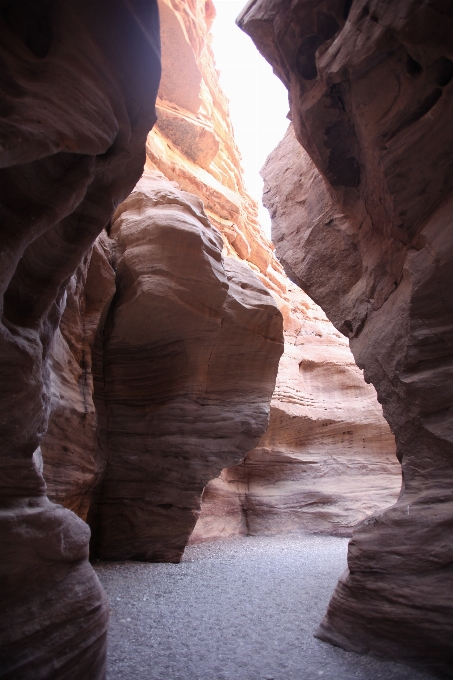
x,y
242,609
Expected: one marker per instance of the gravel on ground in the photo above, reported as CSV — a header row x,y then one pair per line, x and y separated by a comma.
x,y
239,609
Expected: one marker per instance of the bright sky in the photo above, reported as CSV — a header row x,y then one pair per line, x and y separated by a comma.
x,y
258,99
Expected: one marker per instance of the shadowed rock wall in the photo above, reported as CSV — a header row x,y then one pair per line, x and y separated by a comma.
x,y
72,451
79,81
362,219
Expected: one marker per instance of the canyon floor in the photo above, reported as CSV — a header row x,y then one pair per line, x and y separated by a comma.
x,y
239,609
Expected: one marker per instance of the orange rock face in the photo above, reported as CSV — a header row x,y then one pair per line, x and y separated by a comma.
x,y
362,219
120,450
193,141
193,144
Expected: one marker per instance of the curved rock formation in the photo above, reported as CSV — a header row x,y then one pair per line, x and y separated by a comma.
x,y
191,352
87,461
362,219
193,143
79,81
327,459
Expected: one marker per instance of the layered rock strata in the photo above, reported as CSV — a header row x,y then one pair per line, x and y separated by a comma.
x,y
193,140
191,350
193,144
362,218
138,486
72,450
79,81
104,454
327,459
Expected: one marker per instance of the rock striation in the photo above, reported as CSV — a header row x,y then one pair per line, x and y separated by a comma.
x,y
72,452
79,82
191,349
164,363
362,220
327,459
193,140
137,426
193,144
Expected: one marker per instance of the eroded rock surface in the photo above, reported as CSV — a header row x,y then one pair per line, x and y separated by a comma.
x,y
193,144
193,140
363,221
96,409
191,352
327,459
79,81
72,451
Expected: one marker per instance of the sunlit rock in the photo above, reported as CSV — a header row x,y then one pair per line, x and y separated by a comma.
x,y
327,459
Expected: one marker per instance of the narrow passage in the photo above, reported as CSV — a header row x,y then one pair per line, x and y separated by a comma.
x,y
241,609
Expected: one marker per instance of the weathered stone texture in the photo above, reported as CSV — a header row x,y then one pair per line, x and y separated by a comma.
x,y
327,459
367,233
192,345
79,81
73,456
193,144
193,140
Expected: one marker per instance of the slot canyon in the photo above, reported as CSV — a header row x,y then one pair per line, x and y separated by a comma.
x,y
174,382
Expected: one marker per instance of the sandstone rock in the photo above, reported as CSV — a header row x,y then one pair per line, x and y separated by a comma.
x,y
73,458
193,141
192,345
87,368
78,86
368,235
327,459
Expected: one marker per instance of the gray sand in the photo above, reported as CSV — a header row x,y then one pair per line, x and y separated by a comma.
x,y
242,609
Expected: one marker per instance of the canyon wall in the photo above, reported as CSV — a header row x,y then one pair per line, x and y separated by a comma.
x,y
362,213
191,350
193,144
193,140
79,81
327,459
162,372
164,364
159,378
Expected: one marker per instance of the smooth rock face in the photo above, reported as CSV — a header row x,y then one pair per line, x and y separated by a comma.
x,y
327,459
363,221
192,345
72,147
92,394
